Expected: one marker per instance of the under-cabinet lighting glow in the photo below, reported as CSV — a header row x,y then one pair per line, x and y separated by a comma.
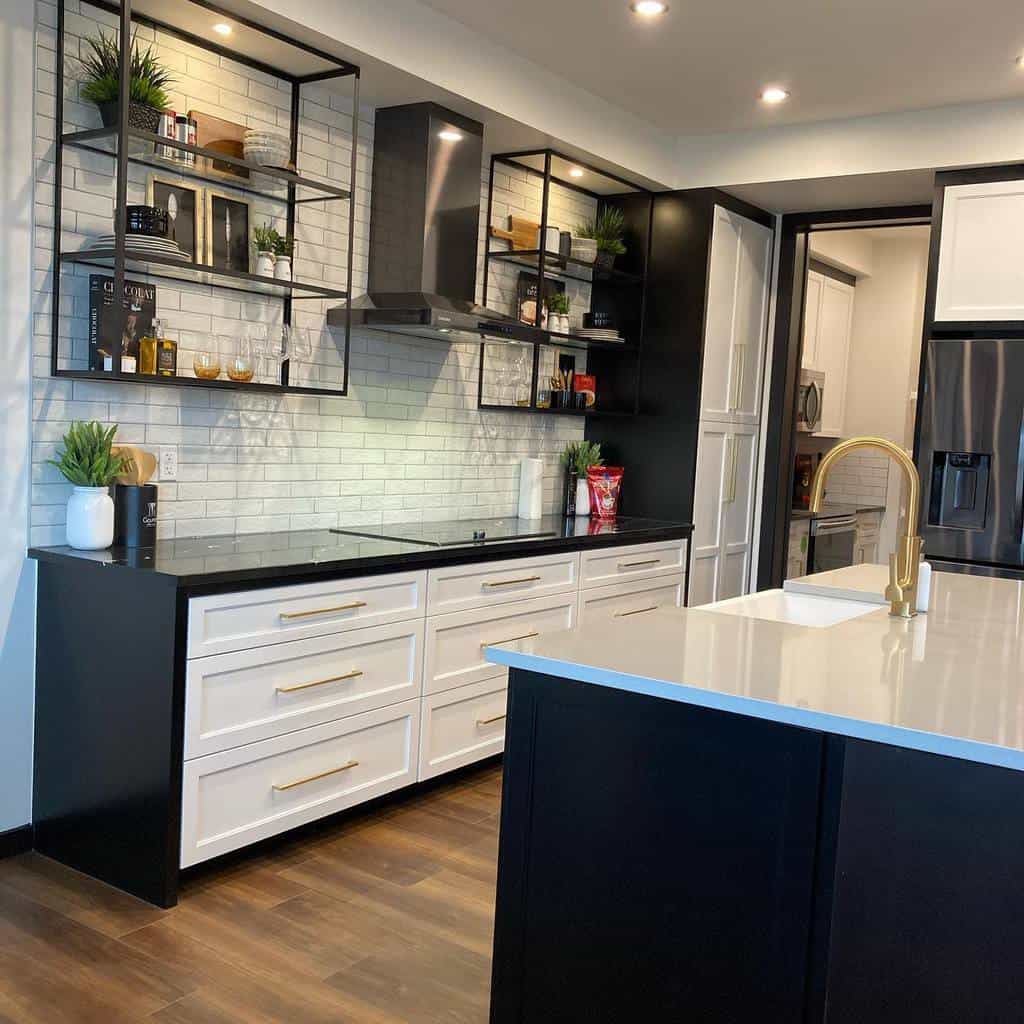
x,y
450,135
774,94
575,172
222,28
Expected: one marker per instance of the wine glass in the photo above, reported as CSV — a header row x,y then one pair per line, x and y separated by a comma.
x,y
241,365
206,364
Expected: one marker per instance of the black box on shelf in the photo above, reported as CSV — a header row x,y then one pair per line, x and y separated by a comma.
x,y
105,324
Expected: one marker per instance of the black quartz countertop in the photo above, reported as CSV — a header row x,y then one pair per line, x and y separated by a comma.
x,y
266,558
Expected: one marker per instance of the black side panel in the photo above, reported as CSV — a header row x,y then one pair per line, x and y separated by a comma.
x,y
15,841
928,919
656,863
659,446
109,726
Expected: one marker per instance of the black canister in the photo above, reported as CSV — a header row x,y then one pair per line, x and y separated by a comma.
x,y
135,515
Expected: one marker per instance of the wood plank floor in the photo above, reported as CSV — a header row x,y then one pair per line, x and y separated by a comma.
x,y
385,918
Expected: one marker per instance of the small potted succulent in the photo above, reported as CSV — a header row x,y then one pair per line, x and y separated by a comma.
x,y
283,249
558,312
577,458
266,240
88,462
606,232
101,83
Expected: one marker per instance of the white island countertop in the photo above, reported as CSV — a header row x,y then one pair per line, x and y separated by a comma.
x,y
948,682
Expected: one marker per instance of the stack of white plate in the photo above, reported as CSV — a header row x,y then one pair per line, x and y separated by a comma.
x,y
145,245
267,147
600,334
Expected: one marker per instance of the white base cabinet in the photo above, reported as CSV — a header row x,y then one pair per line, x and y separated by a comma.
x,y
309,699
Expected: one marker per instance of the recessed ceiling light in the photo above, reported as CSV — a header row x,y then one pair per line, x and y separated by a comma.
x,y
222,28
1020,61
774,94
648,8
575,172
450,135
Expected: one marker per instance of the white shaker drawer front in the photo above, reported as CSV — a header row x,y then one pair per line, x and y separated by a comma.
x,y
633,561
246,696
624,600
237,622
458,587
455,643
461,726
240,796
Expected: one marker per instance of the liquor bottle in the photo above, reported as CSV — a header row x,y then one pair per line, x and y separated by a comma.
x,y
147,348
166,356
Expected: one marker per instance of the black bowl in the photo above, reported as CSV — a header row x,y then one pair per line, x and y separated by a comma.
x,y
147,220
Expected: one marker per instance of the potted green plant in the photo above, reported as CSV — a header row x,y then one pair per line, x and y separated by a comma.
x,y
88,462
558,312
283,250
266,239
606,232
577,458
101,83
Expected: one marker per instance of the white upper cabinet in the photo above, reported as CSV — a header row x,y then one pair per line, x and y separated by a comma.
x,y
828,327
737,318
981,273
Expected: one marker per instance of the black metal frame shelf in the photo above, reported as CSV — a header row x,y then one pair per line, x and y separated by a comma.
x,y
169,268
612,289
148,156
298,64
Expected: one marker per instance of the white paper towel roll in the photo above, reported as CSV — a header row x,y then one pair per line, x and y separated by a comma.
x,y
531,488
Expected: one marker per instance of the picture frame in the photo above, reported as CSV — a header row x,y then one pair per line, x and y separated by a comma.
x,y
228,231
186,212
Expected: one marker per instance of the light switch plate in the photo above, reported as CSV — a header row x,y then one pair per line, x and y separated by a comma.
x,y
168,463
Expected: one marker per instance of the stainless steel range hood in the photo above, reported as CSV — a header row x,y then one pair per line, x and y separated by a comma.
x,y
424,227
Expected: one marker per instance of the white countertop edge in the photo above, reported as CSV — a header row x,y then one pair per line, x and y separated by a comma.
x,y
807,718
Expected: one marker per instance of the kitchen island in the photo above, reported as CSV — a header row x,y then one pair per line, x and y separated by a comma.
x,y
711,816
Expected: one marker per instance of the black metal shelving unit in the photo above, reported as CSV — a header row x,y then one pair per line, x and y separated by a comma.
x,y
619,290
297,64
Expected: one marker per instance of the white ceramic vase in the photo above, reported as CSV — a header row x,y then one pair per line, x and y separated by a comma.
x,y
265,264
582,497
90,522
283,268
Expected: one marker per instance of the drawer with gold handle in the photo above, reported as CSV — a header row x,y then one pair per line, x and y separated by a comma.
x,y
239,796
631,598
602,566
456,644
245,696
221,623
461,726
455,588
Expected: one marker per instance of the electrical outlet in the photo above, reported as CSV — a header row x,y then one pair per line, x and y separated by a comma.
x,y
168,463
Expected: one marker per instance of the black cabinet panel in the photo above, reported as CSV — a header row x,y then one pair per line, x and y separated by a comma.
x,y
656,863
928,913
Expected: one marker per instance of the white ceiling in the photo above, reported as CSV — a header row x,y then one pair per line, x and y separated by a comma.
x,y
699,68
844,192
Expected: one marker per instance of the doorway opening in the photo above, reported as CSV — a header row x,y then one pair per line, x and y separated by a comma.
x,y
847,347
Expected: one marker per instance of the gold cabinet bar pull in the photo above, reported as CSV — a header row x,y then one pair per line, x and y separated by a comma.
x,y
322,611
637,611
507,640
511,583
489,721
636,565
313,778
354,674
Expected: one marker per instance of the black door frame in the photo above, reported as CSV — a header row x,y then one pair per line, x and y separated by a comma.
x,y
787,342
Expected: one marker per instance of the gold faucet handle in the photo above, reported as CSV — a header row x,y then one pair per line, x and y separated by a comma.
x,y
894,592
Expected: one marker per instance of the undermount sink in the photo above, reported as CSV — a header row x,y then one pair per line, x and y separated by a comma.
x,y
797,609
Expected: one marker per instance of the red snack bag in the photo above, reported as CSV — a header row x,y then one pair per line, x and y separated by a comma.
x,y
604,484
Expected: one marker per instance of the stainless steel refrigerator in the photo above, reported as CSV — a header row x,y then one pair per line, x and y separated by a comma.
x,y
971,456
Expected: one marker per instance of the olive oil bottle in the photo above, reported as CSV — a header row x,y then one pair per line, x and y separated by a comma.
x,y
147,348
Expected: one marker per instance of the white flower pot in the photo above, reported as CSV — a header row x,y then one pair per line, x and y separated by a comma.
x,y
90,524
265,264
582,497
283,268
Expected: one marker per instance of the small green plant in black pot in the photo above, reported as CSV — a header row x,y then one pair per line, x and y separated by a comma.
x,y
101,83
607,230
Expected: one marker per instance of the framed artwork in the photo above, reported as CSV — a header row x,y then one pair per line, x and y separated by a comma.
x,y
228,226
184,204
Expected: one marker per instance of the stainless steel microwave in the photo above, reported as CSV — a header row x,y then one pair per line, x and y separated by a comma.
x,y
810,401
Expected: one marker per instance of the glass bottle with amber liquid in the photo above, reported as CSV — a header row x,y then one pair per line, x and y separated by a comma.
x,y
147,348
158,355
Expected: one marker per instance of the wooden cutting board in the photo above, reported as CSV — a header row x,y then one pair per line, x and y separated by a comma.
x,y
224,137
522,233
